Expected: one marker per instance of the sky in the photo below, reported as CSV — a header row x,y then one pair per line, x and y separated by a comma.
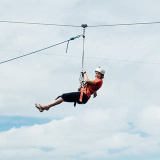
x,y
122,122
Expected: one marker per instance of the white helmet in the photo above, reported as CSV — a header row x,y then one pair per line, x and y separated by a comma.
x,y
100,70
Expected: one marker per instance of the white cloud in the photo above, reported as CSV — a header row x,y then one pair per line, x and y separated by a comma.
x,y
91,134
148,120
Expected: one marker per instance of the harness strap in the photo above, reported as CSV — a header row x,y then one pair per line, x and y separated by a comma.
x,y
87,89
81,96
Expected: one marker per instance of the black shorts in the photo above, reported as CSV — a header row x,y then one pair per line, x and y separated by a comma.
x,y
74,97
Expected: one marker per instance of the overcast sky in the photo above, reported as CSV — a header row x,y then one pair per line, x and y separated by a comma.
x,y
122,123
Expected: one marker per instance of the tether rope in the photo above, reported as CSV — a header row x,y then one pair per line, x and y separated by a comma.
x,y
39,50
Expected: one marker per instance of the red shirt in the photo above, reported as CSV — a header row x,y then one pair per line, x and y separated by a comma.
x,y
92,88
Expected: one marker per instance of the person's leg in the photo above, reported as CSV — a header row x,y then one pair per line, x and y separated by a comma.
x,y
53,103
46,107
67,97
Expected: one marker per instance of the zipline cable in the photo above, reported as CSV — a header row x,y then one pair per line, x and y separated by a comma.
x,y
125,24
36,23
68,25
39,50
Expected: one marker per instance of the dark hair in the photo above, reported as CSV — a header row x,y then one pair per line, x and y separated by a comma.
x,y
102,76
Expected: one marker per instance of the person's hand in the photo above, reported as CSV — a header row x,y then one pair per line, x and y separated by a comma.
x,y
83,70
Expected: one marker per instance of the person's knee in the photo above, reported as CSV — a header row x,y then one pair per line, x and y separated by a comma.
x,y
61,99
58,97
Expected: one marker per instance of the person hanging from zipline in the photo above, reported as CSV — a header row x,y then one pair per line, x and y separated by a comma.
x,y
84,93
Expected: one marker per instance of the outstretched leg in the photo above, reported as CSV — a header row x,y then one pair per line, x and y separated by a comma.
x,y
46,107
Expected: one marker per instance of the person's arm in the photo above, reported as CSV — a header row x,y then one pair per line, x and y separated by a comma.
x,y
88,81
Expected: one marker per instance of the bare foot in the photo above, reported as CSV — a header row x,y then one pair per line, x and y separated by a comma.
x,y
39,107
42,107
